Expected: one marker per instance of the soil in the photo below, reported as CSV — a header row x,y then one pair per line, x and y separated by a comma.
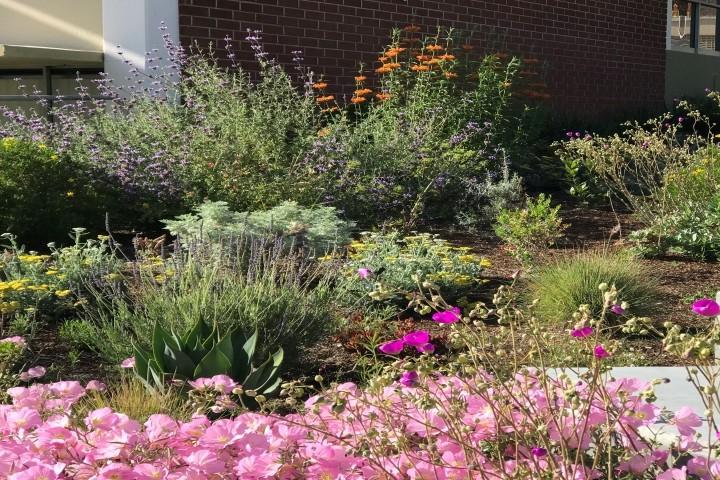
x,y
679,280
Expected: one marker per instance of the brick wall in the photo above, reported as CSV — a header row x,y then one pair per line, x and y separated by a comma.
x,y
599,57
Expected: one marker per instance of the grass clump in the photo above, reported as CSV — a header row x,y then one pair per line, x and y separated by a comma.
x,y
562,285
131,397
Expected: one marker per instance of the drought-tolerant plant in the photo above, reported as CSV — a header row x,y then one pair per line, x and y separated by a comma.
x,y
665,170
530,230
203,352
43,194
317,228
560,286
260,286
389,265
131,397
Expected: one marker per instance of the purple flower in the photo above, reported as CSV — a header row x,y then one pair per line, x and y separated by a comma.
x,y
417,338
617,309
582,332
538,452
128,363
392,348
600,352
409,379
364,272
448,316
707,307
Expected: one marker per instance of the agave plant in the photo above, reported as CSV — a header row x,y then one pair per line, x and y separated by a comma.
x,y
203,352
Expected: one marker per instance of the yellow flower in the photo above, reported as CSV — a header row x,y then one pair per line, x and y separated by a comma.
x,y
51,272
485,263
62,293
69,194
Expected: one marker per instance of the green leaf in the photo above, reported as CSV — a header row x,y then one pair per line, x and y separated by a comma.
x,y
178,363
266,373
214,363
196,334
141,362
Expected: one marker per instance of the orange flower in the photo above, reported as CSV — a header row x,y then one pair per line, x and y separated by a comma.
x,y
382,96
447,57
467,47
383,69
450,75
393,66
394,52
411,28
423,58
319,85
420,68
357,100
323,132
435,48
363,91
360,78
325,99
330,110
432,61
383,58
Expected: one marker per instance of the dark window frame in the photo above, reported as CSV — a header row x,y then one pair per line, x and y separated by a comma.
x,y
695,25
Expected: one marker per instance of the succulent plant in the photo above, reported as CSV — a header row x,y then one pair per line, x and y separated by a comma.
x,y
203,352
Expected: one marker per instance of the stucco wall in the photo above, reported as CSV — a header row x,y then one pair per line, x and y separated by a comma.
x,y
72,24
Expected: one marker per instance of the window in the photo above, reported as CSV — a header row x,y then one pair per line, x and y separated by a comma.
x,y
694,25
37,89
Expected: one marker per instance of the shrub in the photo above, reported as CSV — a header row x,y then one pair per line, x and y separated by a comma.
x,y
395,265
43,194
530,230
562,285
317,228
34,284
666,172
276,292
437,123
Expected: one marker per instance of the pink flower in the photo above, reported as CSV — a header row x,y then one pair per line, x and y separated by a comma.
x,y
707,307
600,352
128,363
393,347
686,421
448,316
19,341
36,372
95,385
426,348
617,309
37,472
417,338
364,272
409,379
582,332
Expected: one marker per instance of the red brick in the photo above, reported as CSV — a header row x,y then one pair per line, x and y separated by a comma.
x,y
598,56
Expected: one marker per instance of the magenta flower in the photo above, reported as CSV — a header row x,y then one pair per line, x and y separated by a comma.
x,y
600,352
707,307
426,348
364,272
95,385
128,363
617,309
448,316
417,338
538,452
582,332
392,348
409,379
